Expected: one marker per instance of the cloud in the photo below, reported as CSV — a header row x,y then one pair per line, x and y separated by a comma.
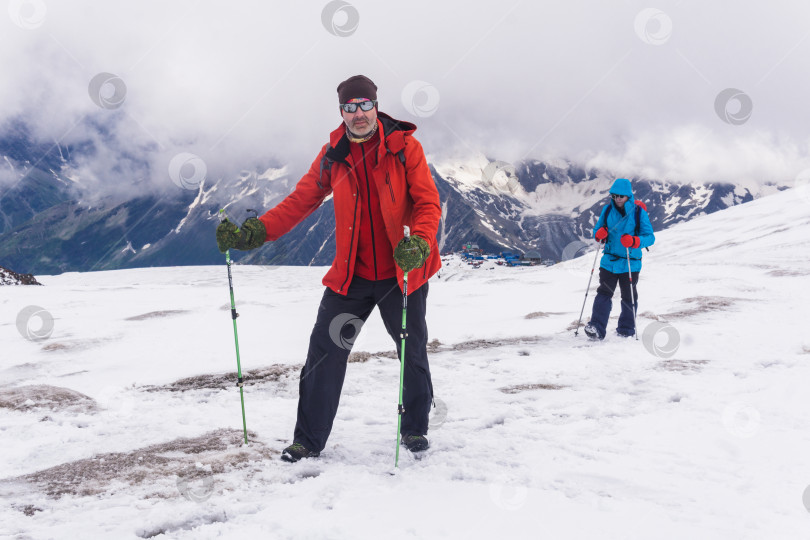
x,y
699,154
248,84
8,173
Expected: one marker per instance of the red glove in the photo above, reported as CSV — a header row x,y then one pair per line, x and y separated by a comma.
x,y
629,241
601,234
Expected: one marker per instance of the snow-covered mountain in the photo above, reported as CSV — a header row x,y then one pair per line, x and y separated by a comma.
x,y
50,223
122,420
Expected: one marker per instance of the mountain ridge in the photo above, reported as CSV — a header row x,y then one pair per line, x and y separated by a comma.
x,y
48,227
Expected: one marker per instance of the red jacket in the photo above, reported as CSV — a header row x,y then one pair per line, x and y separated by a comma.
x,y
406,197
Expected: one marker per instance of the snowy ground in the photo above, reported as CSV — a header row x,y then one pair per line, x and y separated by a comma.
x,y
121,422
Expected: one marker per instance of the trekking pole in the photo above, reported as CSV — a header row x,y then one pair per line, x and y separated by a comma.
x,y
402,335
234,315
632,295
576,332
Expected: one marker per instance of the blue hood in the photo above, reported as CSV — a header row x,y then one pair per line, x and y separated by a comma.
x,y
621,186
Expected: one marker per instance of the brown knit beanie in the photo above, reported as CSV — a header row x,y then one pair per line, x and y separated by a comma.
x,y
358,86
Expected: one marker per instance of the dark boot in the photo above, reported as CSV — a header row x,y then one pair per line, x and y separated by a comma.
x,y
592,332
415,443
297,451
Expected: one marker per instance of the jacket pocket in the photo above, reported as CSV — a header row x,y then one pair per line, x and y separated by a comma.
x,y
390,187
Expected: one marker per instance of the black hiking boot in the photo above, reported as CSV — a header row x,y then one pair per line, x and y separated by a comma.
x,y
592,332
297,451
415,443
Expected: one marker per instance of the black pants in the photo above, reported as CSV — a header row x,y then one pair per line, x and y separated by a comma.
x,y
339,321
603,303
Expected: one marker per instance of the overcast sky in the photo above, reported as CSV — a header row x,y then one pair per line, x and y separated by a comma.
x,y
685,90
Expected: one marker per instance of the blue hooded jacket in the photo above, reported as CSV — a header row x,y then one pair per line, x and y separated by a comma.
x,y
615,255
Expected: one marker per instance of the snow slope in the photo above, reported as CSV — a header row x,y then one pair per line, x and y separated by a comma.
x,y
699,429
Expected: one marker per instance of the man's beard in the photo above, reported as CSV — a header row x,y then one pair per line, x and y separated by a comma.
x,y
354,137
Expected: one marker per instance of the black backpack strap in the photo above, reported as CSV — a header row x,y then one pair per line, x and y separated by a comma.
x,y
638,222
615,257
401,156
326,165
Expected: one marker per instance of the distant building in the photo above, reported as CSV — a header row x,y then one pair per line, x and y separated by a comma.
x,y
471,248
533,257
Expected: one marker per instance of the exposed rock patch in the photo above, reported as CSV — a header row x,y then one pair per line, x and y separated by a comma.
x,y
10,277
186,467
42,396
515,389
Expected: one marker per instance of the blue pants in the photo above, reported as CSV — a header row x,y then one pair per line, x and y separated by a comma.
x,y
602,304
339,321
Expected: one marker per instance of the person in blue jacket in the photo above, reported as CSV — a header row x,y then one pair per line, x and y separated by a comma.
x,y
624,227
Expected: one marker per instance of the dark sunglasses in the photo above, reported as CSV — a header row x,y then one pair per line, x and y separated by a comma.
x,y
352,107
617,197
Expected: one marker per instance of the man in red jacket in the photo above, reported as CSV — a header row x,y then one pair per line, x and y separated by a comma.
x,y
379,179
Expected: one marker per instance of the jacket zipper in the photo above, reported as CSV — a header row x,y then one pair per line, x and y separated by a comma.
x,y
370,218
351,244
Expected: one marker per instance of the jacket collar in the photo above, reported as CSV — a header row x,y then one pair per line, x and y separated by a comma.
x,y
392,137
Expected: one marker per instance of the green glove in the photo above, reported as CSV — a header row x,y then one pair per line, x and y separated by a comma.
x,y
412,253
250,236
